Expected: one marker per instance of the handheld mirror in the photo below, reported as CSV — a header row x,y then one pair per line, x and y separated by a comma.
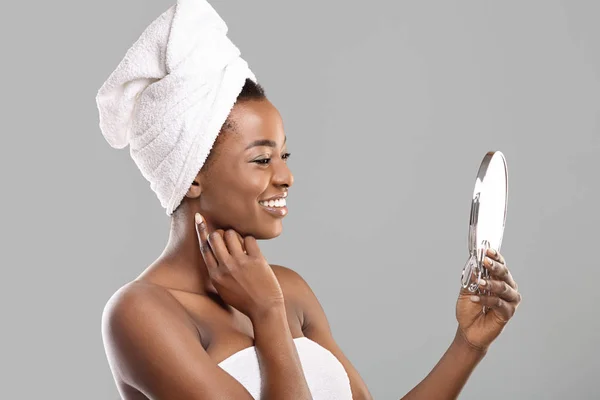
x,y
487,218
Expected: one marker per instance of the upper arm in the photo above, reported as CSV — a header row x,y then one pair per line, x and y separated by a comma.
x,y
153,345
315,326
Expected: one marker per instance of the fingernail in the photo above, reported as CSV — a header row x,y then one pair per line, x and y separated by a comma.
x,y
482,282
475,299
493,252
199,219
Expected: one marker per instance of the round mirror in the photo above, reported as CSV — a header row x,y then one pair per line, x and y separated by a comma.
x,y
488,216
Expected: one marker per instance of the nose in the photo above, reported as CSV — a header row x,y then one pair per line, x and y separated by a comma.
x,y
282,175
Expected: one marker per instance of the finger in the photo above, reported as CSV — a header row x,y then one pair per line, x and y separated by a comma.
x,y
495,255
221,232
496,268
217,244
503,309
233,243
501,289
252,246
202,233
500,271
241,240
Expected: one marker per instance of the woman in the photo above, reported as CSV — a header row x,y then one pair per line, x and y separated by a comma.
x,y
210,318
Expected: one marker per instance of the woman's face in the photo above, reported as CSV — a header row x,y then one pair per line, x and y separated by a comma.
x,y
248,166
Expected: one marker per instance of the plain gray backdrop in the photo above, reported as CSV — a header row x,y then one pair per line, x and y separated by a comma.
x,y
389,107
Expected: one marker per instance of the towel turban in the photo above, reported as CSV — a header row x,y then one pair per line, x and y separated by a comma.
x,y
170,95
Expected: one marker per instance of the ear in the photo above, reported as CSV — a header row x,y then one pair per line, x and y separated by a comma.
x,y
195,188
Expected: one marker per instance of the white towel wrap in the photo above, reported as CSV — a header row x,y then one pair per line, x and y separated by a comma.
x,y
325,375
170,95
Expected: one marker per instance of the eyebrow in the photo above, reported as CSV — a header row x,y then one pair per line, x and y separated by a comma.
x,y
264,142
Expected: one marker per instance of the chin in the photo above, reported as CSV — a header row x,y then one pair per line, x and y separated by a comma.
x,y
268,232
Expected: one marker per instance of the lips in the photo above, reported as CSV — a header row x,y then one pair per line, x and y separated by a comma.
x,y
280,211
275,205
279,202
277,196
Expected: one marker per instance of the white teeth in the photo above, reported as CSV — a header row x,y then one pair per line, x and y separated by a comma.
x,y
273,203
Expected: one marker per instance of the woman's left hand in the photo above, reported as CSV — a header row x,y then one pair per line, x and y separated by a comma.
x,y
480,329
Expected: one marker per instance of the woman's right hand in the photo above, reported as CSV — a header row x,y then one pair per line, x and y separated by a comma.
x,y
243,279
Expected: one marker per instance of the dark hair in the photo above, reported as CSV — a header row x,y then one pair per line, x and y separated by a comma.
x,y
250,91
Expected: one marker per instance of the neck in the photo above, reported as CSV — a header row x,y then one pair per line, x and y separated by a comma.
x,y
181,265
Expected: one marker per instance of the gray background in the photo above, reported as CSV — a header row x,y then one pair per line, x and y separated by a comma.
x,y
389,108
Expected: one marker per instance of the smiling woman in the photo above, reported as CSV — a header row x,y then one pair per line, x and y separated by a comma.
x,y
224,305
210,318
239,310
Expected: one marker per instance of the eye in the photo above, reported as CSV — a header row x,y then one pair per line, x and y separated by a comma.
x,y
266,161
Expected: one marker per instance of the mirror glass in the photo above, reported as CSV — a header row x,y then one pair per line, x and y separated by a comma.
x,y
487,217
491,187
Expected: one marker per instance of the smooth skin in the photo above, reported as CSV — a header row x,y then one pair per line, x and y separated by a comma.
x,y
211,293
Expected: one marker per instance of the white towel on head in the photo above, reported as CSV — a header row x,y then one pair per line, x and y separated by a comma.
x,y
170,95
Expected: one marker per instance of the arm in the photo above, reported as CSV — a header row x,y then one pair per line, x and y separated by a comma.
x,y
316,327
475,333
244,280
153,346
445,381
449,376
281,370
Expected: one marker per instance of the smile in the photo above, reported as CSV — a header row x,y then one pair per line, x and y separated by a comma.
x,y
276,207
273,203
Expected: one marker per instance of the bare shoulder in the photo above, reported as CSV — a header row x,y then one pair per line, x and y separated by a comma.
x,y
296,291
132,315
138,299
128,296
138,303
153,347
282,272
290,281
